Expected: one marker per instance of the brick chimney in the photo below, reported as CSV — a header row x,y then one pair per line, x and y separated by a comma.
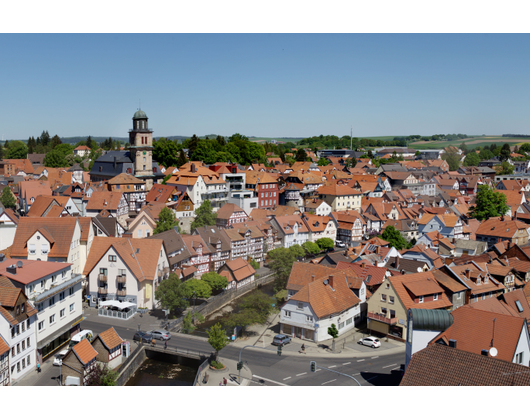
x,y
331,282
467,273
193,169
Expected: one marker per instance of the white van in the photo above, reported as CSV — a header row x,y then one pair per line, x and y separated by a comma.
x,y
80,336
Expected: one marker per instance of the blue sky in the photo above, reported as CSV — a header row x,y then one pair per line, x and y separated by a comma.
x,y
264,84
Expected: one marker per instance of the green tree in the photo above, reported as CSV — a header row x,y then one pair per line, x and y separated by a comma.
x,y
215,281
102,375
488,203
301,155
181,159
196,288
56,141
170,295
486,154
311,248
504,168
325,243
472,159
217,339
334,332
165,152
7,198
17,150
188,322
297,251
166,221
55,159
254,264
45,138
392,235
452,159
282,260
322,162
204,216
31,145
258,302
70,159
505,152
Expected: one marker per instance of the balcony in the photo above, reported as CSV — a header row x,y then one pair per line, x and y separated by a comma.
x,y
382,318
121,279
102,291
102,277
122,292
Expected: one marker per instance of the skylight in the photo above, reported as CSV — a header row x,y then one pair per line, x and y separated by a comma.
x,y
519,306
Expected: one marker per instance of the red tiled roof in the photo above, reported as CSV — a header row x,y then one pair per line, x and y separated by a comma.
x,y
84,351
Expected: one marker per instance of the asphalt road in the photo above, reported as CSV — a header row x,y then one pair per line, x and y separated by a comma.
x,y
269,369
274,370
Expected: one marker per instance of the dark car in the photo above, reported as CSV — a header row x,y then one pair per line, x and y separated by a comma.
x,y
143,337
281,339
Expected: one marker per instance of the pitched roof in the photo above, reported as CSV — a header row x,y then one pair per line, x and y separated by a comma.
x,y
140,255
84,351
59,231
239,269
110,338
302,274
227,210
475,330
104,200
440,365
3,346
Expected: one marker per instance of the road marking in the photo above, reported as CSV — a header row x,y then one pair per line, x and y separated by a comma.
x,y
328,382
347,363
300,374
270,380
375,357
355,374
286,378
329,367
361,360
317,370
384,367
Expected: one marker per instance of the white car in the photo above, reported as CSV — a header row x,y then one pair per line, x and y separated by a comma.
x,y
58,361
372,342
340,244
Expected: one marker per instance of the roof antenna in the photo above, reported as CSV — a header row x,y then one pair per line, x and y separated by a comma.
x,y
491,344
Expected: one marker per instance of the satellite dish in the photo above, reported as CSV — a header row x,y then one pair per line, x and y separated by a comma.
x,y
493,352
19,264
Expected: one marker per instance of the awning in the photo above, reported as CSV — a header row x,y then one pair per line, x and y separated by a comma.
x,y
117,304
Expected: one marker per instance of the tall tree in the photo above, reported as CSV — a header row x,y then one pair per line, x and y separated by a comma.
x,y
488,203
472,159
392,235
301,155
282,260
166,220
31,145
56,141
17,150
45,138
505,152
217,339
453,160
7,198
181,159
196,288
204,216
170,295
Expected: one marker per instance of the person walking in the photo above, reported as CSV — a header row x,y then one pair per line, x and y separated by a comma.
x,y
153,342
165,345
225,381
38,367
303,348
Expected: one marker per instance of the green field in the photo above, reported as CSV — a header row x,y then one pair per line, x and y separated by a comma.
x,y
471,142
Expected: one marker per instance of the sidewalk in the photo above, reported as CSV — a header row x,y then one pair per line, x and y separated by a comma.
x,y
262,335
345,346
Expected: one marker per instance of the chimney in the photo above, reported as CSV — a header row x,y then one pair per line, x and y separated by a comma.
x,y
12,269
467,273
127,235
115,162
452,343
193,169
331,282
396,262
484,352
312,278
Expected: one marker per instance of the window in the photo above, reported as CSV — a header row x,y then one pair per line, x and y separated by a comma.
x,y
27,343
61,296
32,248
23,327
18,348
64,274
300,305
392,313
391,299
29,360
288,314
62,313
349,321
384,312
23,345
72,307
435,296
42,284
18,366
23,363
44,248
112,258
420,299
18,309
41,325
70,291
387,285
51,301
52,319
519,358
383,298
341,325
309,318
13,351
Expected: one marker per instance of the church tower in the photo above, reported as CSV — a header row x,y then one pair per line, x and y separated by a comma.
x,y
141,149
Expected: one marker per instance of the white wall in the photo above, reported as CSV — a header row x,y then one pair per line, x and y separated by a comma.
x,y
523,346
30,351
7,235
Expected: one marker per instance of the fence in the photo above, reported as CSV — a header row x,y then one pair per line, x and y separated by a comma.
x,y
116,314
204,365
220,300
132,363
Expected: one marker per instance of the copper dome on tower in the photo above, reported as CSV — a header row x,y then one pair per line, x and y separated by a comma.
x,y
139,114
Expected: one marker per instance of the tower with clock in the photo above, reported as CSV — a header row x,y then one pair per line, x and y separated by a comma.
x,y
141,149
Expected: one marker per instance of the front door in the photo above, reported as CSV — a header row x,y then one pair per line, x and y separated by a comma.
x,y
298,332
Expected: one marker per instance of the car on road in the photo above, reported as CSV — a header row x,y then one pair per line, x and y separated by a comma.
x,y
143,337
58,360
340,244
372,342
161,335
281,339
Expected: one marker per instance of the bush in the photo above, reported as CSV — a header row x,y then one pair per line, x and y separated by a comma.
x,y
216,365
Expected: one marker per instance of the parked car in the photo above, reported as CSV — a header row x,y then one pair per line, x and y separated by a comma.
x,y
161,335
340,244
143,337
58,360
372,342
281,339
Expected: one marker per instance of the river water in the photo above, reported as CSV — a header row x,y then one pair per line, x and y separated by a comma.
x,y
158,373
154,372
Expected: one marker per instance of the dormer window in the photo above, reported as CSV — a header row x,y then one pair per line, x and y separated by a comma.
x,y
420,299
